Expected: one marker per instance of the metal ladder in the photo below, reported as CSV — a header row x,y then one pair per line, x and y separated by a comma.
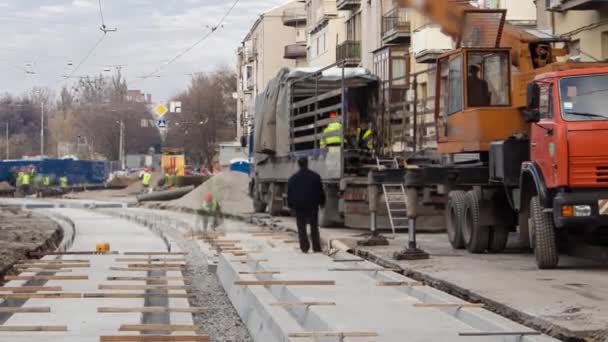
x,y
387,163
394,197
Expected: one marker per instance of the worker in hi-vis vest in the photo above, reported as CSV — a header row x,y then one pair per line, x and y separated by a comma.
x,y
146,180
365,137
333,128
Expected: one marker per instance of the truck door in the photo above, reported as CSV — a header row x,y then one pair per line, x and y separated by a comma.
x,y
542,142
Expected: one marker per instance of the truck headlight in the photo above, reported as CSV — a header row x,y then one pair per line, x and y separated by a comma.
x,y
582,210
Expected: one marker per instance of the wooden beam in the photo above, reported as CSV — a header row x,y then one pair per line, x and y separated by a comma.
x,y
363,269
149,309
72,253
53,266
398,283
32,328
13,310
147,268
48,277
500,333
291,241
158,327
157,265
154,253
56,261
143,287
261,273
155,338
135,295
269,234
292,304
39,295
448,305
185,279
339,334
285,282
30,288
45,269
150,260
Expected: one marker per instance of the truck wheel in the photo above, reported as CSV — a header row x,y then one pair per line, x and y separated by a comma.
x,y
454,217
499,235
475,236
275,202
543,236
523,229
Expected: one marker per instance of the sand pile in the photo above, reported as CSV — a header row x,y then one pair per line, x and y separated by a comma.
x,y
229,188
123,181
5,186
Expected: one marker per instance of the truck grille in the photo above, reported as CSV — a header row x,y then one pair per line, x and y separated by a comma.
x,y
589,171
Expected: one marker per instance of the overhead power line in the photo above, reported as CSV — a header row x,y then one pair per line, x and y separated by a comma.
x,y
212,30
86,57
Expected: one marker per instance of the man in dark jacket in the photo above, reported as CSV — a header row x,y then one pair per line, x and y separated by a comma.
x,y
305,195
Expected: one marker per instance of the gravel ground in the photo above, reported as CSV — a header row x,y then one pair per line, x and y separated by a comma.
x,y
220,321
22,232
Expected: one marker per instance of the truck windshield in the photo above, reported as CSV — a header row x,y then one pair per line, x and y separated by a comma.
x,y
583,98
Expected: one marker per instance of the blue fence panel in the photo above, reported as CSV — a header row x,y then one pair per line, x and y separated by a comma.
x,y
77,171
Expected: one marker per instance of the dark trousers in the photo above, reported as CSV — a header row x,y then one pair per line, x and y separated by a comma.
x,y
303,218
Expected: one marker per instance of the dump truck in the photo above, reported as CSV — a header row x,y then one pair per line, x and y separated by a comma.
x,y
291,117
536,122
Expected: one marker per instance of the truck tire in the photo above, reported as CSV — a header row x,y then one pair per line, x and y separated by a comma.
x,y
523,229
275,202
499,235
454,217
543,236
475,236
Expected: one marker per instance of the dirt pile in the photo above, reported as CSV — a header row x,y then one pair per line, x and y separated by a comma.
x,y
5,186
122,181
229,188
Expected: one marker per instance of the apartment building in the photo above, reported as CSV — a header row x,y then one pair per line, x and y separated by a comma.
x,y
325,31
277,39
585,22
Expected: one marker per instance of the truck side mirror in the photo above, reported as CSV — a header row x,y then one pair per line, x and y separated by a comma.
x,y
532,113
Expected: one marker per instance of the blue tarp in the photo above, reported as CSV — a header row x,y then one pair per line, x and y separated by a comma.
x,y
240,166
77,171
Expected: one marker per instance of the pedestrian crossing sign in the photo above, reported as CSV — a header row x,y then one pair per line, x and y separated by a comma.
x,y
162,124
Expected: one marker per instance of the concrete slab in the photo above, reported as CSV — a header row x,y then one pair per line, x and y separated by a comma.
x,y
80,315
361,305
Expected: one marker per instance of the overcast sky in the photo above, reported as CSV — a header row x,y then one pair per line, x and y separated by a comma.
x,y
43,36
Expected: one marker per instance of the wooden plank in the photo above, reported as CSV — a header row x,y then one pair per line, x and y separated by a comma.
x,y
155,338
48,277
500,333
135,295
148,268
185,279
149,309
30,288
32,328
72,253
173,264
448,305
398,283
56,261
53,266
339,334
143,287
45,269
245,261
292,304
270,234
13,310
154,253
363,269
285,282
291,241
39,295
261,273
150,260
158,327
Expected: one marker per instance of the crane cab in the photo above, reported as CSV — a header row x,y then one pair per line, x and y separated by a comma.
x,y
473,106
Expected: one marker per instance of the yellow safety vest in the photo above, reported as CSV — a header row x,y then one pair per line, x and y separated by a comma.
x,y
365,139
147,179
46,181
20,178
63,182
25,179
334,139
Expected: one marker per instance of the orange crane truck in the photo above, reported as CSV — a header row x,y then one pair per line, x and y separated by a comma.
x,y
538,124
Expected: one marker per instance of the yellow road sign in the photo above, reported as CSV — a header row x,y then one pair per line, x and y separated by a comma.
x,y
160,110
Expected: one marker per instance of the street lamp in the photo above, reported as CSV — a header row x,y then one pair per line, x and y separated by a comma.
x,y
7,143
121,145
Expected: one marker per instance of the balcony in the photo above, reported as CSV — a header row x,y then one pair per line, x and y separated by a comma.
x,y
294,17
428,43
349,53
396,27
581,5
348,5
295,51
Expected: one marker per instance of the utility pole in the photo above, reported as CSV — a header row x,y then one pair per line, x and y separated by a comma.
x,y
121,145
41,129
7,143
